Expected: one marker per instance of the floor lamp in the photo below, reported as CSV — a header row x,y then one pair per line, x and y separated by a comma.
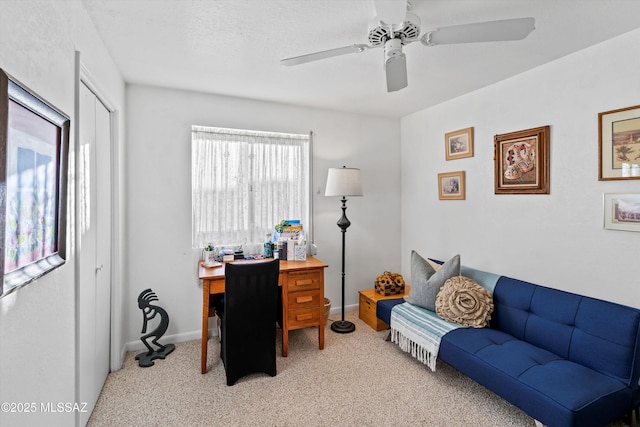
x,y
343,182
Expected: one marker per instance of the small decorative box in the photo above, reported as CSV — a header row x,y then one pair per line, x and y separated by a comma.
x,y
389,284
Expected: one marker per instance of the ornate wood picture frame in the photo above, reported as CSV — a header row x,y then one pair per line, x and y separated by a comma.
x,y
458,144
619,144
451,185
522,162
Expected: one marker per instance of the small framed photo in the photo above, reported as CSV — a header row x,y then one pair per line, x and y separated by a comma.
x,y
522,162
619,144
451,186
458,144
622,211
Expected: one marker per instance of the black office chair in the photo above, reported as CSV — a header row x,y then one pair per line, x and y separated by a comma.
x,y
248,329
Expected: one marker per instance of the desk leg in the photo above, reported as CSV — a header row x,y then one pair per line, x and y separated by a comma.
x,y
205,325
321,331
285,342
285,316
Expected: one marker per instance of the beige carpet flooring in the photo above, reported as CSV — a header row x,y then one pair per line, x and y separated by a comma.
x,y
357,380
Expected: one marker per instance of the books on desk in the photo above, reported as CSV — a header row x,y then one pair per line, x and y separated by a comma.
x,y
291,231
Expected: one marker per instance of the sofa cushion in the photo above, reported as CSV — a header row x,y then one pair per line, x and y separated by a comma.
x,y
461,300
581,326
426,281
551,389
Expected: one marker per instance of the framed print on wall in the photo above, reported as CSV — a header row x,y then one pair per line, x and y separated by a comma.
x,y
451,186
619,144
622,212
522,162
34,146
458,144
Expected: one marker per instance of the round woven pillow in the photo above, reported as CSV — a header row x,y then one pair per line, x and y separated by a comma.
x,y
463,301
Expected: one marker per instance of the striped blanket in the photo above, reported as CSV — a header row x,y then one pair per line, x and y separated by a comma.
x,y
418,331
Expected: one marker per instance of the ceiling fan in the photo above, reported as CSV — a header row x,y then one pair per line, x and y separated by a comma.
x,y
396,26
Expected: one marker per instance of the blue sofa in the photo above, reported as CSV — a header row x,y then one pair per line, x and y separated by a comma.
x,y
564,359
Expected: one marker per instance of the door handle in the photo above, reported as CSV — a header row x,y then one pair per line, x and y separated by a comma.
x,y
98,269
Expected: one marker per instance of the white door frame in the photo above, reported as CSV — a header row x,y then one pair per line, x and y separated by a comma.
x,y
118,351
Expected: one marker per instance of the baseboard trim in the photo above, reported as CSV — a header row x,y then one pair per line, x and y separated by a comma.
x,y
347,308
196,335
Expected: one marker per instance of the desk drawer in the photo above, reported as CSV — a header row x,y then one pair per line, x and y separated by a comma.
x,y
304,318
303,280
304,299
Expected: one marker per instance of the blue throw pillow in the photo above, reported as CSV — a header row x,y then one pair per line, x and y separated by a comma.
x,y
426,281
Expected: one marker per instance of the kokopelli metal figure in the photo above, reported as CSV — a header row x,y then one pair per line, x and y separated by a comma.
x,y
150,311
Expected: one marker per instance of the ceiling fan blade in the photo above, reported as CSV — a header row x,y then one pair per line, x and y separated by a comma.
x,y
395,65
296,60
391,12
492,31
396,69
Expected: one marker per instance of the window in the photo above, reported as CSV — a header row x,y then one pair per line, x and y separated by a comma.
x,y
34,141
244,183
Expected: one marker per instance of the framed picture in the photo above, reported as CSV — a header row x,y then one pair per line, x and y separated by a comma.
x,y
458,144
451,186
522,162
622,211
34,146
619,144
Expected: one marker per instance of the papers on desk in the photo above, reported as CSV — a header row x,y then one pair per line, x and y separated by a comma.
x,y
210,265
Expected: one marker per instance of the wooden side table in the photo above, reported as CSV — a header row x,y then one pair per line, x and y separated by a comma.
x,y
368,304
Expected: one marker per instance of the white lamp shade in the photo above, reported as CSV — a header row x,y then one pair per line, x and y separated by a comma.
x,y
343,182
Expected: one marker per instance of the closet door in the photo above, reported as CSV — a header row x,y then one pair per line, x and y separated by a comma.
x,y
94,249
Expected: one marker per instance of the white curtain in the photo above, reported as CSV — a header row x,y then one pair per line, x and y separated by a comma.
x,y
244,183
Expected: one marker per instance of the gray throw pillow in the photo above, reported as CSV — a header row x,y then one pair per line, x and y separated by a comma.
x,y
426,281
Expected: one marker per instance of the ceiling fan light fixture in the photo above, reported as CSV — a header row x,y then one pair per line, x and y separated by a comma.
x,y
392,47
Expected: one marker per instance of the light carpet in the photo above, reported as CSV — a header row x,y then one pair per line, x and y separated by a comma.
x,y
357,380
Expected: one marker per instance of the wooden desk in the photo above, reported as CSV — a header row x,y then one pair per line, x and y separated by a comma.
x,y
302,285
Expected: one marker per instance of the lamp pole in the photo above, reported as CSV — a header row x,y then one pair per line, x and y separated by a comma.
x,y
343,326
343,182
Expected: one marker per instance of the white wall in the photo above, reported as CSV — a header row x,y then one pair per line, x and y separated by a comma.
x,y
555,240
38,40
158,201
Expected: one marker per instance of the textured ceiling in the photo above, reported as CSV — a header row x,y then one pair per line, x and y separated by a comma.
x,y
233,47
